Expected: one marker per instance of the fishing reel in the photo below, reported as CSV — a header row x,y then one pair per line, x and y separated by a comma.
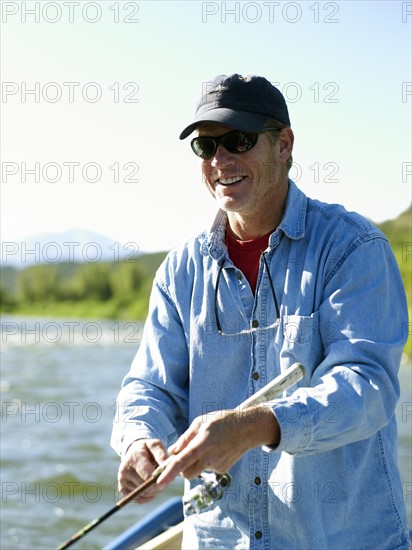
x,y
204,495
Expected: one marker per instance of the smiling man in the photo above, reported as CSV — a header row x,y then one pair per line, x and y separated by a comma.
x,y
278,278
252,187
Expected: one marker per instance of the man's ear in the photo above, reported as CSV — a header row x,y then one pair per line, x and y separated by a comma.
x,y
285,143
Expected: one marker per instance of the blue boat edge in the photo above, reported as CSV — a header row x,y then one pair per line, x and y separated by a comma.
x,y
166,515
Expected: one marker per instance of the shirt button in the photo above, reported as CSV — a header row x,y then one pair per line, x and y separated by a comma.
x,y
258,535
255,376
239,275
255,323
258,481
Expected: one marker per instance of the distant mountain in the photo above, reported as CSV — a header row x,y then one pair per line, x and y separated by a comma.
x,y
73,246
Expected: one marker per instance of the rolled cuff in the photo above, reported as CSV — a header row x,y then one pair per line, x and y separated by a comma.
x,y
295,427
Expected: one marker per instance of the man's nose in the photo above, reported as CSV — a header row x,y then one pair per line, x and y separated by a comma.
x,y
223,158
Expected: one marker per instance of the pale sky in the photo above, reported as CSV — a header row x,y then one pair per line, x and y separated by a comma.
x,y
95,94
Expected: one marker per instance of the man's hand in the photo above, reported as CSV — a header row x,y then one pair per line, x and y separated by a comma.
x,y
138,464
218,442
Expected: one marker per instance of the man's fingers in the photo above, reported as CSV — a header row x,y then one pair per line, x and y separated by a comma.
x,y
185,463
141,459
156,451
183,441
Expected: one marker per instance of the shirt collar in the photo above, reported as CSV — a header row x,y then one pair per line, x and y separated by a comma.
x,y
293,221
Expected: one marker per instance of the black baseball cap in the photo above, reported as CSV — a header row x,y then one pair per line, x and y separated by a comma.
x,y
242,102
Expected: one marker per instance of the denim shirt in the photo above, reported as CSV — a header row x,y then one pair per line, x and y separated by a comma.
x,y
333,481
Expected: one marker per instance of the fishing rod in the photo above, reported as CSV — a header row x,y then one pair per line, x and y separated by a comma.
x,y
202,496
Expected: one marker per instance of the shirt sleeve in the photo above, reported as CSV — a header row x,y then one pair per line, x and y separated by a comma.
x,y
153,400
354,390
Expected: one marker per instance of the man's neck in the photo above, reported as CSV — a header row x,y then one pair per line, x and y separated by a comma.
x,y
248,226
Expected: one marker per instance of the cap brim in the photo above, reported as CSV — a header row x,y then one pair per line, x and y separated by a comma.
x,y
240,120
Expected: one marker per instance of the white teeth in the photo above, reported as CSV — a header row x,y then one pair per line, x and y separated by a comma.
x,y
228,181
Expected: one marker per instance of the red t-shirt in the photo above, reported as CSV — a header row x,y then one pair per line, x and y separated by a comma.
x,y
246,255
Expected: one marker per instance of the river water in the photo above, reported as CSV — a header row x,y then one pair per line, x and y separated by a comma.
x,y
59,384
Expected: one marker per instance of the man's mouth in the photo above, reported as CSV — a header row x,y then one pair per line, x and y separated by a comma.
x,y
230,181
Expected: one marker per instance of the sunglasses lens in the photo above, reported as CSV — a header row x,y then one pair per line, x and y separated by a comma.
x,y
203,147
234,142
239,142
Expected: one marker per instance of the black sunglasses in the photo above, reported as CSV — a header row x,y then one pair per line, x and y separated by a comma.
x,y
234,142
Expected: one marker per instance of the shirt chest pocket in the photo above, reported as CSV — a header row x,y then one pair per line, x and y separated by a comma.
x,y
301,340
